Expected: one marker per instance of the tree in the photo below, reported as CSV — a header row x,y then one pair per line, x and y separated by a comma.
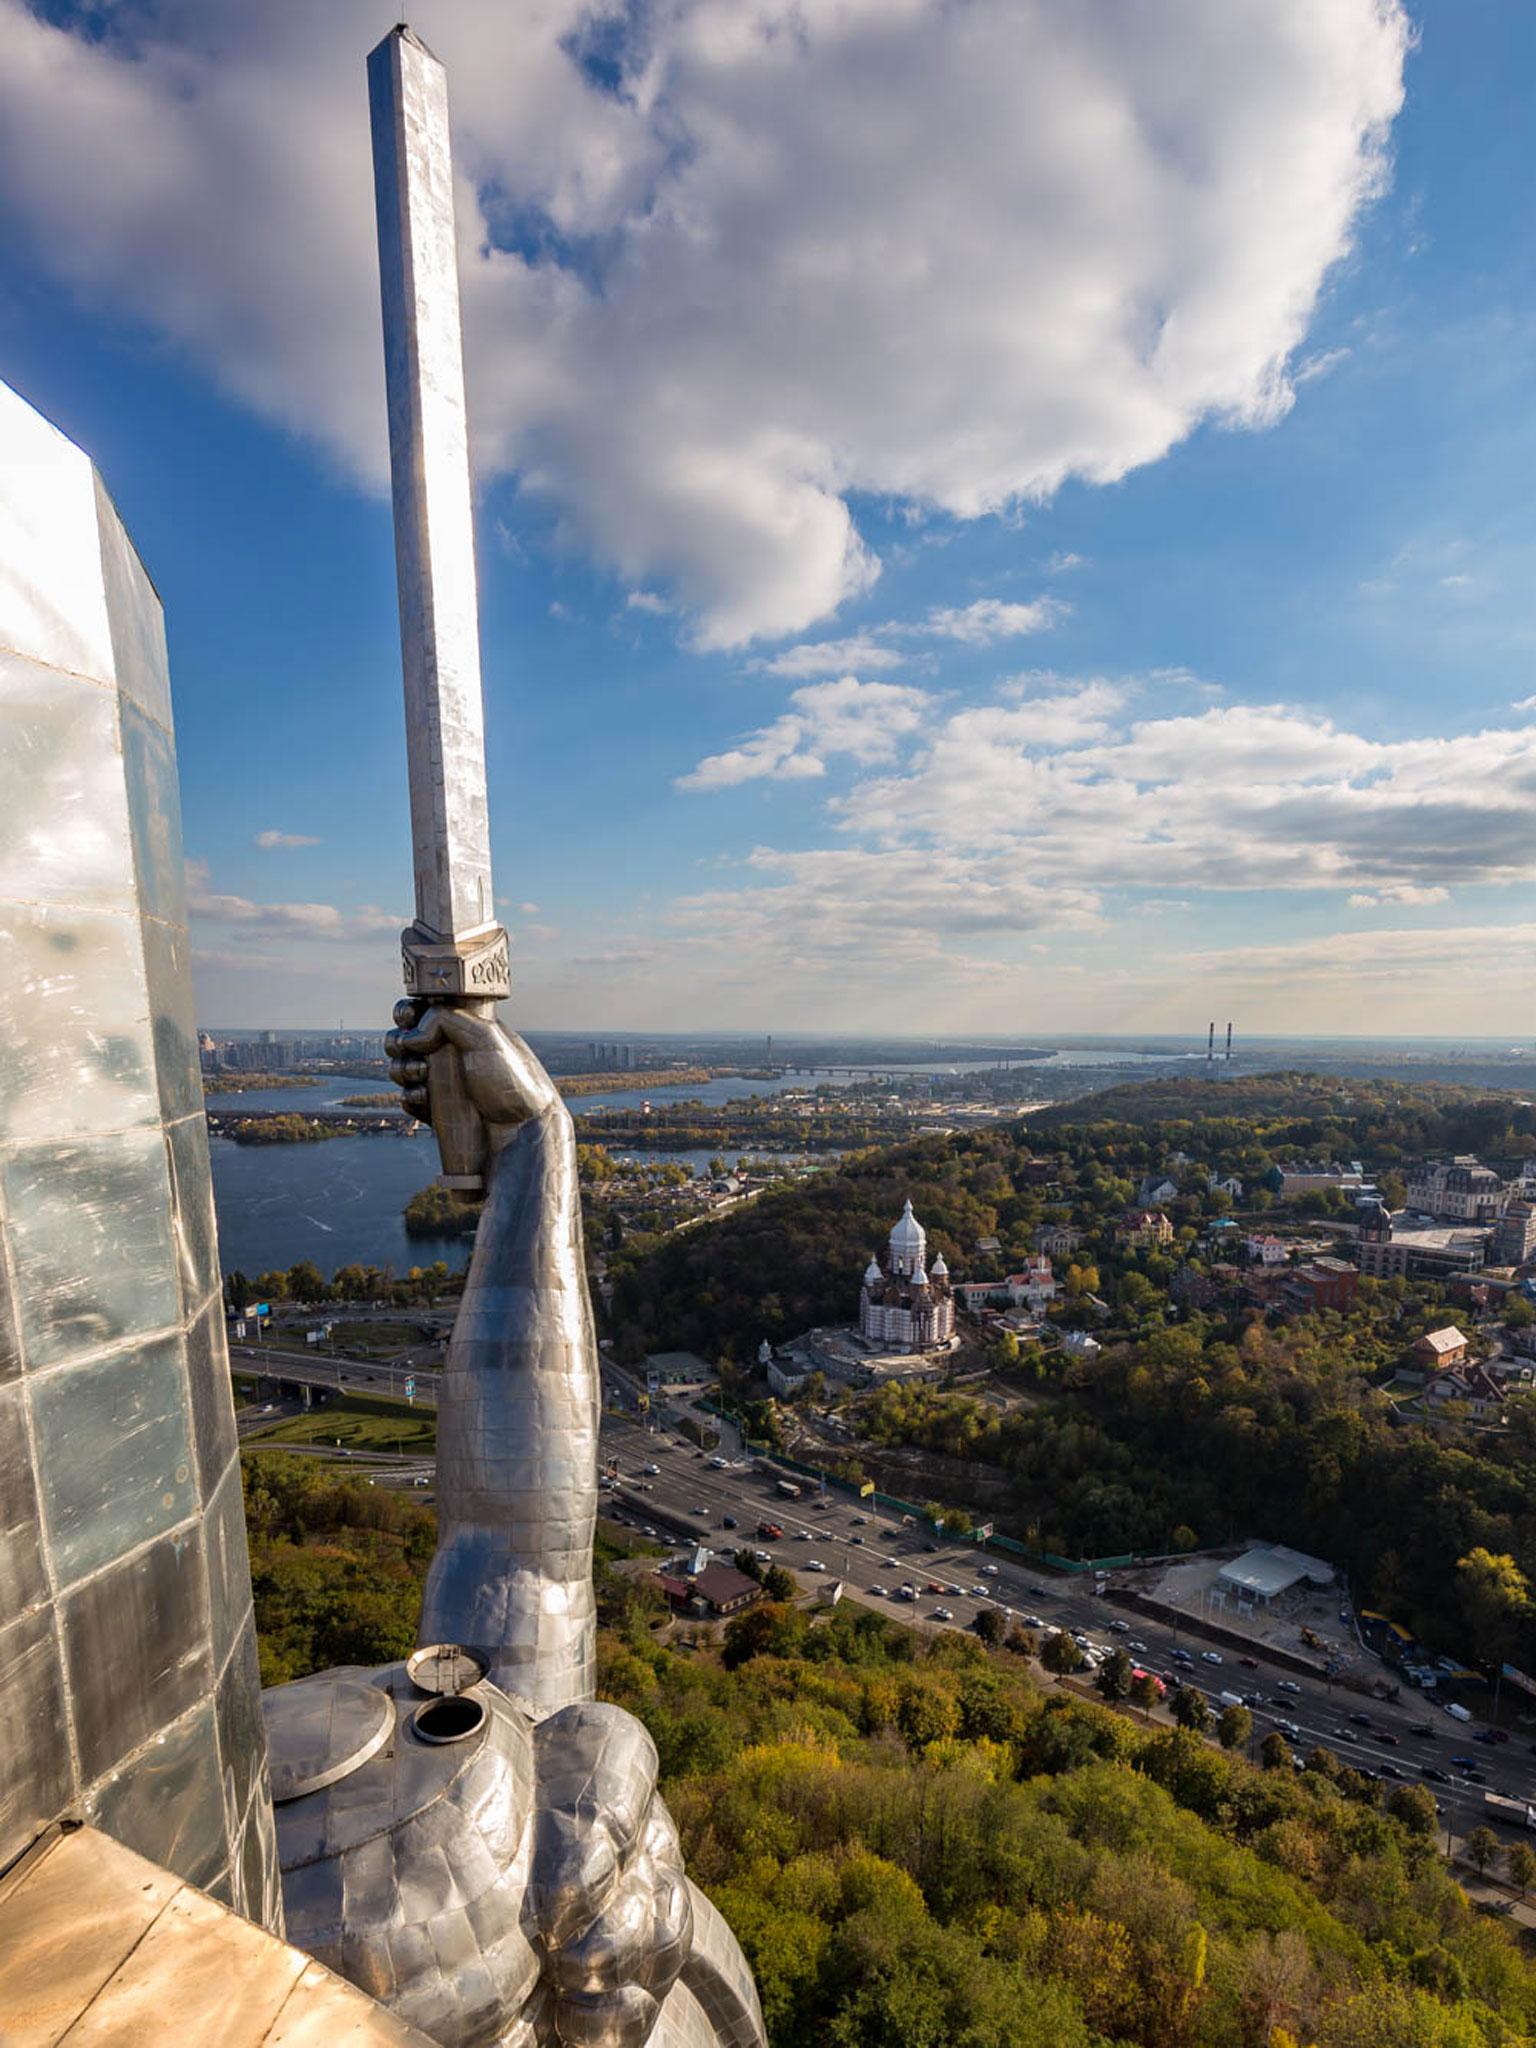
x,y
1191,1709
238,1288
1520,1862
1234,1727
1183,1538
746,1560
1113,1677
1145,1693
1483,1850
780,1584
989,1625
1413,1807
1275,1751
1023,1642
1060,1654
1495,1596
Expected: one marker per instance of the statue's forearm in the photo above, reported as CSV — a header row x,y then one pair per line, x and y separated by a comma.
x,y
517,1433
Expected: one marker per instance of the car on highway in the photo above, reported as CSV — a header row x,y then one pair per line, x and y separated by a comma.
x,y
859,1521
1288,1685
906,1591
1289,1730
1040,1593
942,1614
1434,1774
729,1522
1121,1628
1427,1729
1033,1621
1249,1663
1137,1645
980,1593
890,1560
650,1471
648,1530
1390,1770
763,1556
1181,1657
1477,1777
879,1592
697,1510
989,1571
1465,1763
1384,1735
1359,1720
813,1564
1208,1656
855,1539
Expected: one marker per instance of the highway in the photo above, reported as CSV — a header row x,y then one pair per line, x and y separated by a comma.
x,y
867,1550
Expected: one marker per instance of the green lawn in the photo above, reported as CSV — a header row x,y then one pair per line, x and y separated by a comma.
x,y
360,1424
374,1340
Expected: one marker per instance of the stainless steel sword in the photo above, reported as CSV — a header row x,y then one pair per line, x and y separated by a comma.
x,y
456,951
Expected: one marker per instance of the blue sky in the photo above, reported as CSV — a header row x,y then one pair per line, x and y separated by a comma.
x,y
1019,527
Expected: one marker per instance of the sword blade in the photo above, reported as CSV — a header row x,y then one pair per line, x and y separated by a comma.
x,y
429,468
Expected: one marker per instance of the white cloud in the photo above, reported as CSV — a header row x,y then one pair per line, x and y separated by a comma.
x,y
1062,563
647,601
217,908
1524,704
1311,369
831,657
269,839
992,618
948,256
864,720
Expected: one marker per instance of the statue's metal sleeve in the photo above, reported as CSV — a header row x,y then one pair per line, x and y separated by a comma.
x,y
456,950
517,1426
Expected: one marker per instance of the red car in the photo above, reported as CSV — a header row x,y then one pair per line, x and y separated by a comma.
x,y
1249,1663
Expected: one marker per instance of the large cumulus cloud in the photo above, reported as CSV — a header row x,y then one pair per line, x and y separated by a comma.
x,y
728,266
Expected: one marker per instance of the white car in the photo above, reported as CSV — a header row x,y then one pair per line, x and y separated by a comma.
x,y
651,1471
879,1593
814,1564
980,1592
942,1614
1121,1628
989,1571
1209,1657
1138,1646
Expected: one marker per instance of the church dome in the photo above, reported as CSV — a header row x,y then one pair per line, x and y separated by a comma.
x,y
872,1274
909,1236
939,1270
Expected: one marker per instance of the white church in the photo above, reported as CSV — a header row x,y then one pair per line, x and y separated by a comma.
x,y
909,1306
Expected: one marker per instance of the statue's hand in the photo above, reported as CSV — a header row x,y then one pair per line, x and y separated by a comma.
x,y
506,1083
610,1906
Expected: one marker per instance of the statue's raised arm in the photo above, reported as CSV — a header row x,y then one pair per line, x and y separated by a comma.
x,y
518,1408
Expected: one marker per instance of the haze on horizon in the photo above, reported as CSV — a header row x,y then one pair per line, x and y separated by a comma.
x,y
992,521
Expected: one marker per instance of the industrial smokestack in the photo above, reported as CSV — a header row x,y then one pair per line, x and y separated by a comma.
x,y
1210,1044
1229,1043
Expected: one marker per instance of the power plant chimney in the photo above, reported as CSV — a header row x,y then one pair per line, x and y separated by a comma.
x,y
1229,1043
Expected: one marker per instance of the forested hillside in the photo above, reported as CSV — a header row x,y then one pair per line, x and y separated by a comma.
x,y
920,1846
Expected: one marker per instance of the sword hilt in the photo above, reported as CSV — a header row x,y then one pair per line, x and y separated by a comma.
x,y
470,974
456,1123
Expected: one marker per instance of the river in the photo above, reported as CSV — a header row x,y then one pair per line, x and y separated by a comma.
x,y
339,1202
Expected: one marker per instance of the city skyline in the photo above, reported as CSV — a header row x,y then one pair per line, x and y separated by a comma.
x,y
1037,584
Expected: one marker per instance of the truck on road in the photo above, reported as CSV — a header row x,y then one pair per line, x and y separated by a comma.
x,y
1515,1813
770,1532
786,1489
1457,1711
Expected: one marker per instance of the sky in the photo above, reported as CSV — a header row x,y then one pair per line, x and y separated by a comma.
x,y
1000,517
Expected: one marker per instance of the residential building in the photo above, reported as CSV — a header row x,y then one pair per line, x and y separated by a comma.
x,y
1438,1349
1142,1227
1034,1287
908,1307
1470,1387
1057,1240
1514,1235
1325,1283
1459,1190
1312,1177
1155,1189
1263,1249
1078,1344
1231,1187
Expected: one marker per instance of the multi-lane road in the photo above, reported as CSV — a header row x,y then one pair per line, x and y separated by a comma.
x,y
868,1550
872,1554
